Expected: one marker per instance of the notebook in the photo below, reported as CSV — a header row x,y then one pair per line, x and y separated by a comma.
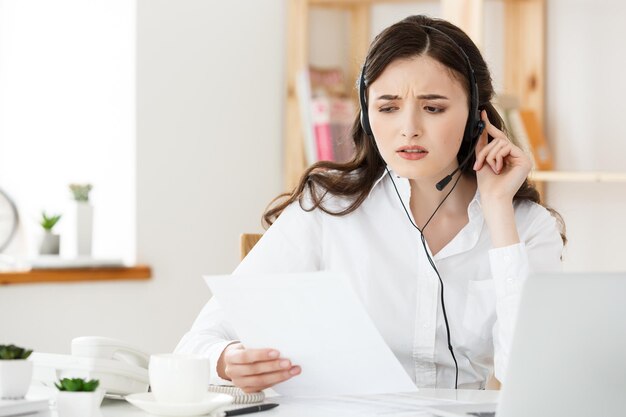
x,y
25,406
239,397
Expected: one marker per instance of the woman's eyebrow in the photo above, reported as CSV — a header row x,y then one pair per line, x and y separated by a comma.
x,y
421,97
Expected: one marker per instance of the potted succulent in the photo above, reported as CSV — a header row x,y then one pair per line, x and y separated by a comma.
x,y
16,371
51,241
78,397
82,223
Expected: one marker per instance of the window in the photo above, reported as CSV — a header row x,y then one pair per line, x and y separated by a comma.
x,y
67,114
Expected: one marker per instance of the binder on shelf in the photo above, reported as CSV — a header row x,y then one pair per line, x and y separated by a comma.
x,y
537,140
526,131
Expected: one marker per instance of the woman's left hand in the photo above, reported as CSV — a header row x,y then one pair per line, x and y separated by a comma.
x,y
501,167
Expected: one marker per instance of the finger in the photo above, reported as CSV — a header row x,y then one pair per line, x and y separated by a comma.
x,y
511,153
259,382
482,156
500,159
257,368
492,158
246,356
235,345
491,129
482,141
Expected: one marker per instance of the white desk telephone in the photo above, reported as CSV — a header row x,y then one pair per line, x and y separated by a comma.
x,y
121,368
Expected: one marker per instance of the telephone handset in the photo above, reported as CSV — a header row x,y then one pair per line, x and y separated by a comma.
x,y
121,368
109,348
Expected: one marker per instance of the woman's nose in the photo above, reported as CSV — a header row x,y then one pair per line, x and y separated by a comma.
x,y
411,126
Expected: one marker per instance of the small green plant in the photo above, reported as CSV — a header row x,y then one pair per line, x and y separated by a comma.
x,y
13,352
77,385
48,222
80,191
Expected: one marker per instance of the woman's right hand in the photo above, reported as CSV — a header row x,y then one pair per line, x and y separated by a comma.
x,y
254,370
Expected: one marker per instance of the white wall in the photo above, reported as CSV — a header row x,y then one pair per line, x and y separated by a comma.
x,y
209,122
210,106
585,92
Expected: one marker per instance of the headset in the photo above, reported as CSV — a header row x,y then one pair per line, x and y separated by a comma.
x,y
473,129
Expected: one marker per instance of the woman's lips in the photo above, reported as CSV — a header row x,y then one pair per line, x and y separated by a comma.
x,y
412,153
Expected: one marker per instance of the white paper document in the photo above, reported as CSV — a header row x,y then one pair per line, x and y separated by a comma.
x,y
317,321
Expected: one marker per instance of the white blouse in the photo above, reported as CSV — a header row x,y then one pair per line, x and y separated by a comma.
x,y
381,252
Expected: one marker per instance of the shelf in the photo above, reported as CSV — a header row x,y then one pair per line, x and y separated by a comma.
x,y
523,44
573,176
139,272
340,3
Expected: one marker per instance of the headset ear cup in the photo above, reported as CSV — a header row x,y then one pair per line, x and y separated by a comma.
x,y
362,116
365,124
480,126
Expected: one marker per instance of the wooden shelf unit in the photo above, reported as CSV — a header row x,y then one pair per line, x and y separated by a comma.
x,y
139,272
524,44
578,176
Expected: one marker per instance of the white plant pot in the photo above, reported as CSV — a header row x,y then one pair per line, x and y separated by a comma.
x,y
79,404
50,244
15,377
84,228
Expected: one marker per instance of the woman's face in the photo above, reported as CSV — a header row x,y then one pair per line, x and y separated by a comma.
x,y
418,112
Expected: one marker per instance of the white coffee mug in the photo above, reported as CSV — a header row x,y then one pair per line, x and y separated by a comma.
x,y
179,378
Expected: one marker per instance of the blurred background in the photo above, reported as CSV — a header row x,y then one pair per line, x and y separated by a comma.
x,y
185,119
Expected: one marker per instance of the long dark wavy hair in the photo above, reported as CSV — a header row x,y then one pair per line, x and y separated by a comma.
x,y
354,179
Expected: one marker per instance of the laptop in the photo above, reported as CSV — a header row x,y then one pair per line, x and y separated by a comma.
x,y
568,356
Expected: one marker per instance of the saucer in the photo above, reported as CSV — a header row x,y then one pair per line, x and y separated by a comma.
x,y
147,402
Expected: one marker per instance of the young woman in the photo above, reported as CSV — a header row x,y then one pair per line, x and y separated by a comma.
x,y
439,272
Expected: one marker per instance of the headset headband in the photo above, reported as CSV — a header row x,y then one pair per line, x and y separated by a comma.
x,y
472,127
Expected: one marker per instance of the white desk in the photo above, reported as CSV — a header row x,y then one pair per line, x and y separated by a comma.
x,y
398,405
289,408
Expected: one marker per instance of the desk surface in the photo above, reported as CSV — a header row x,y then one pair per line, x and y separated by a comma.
x,y
389,405
290,407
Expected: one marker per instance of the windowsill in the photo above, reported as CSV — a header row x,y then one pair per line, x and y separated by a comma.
x,y
139,272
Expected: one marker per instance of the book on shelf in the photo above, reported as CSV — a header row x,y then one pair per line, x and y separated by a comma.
x,y
320,108
303,92
519,133
526,131
342,113
327,81
326,114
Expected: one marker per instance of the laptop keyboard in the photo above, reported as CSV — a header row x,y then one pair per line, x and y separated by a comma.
x,y
486,414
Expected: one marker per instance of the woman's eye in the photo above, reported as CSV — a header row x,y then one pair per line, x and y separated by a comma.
x,y
387,109
431,109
